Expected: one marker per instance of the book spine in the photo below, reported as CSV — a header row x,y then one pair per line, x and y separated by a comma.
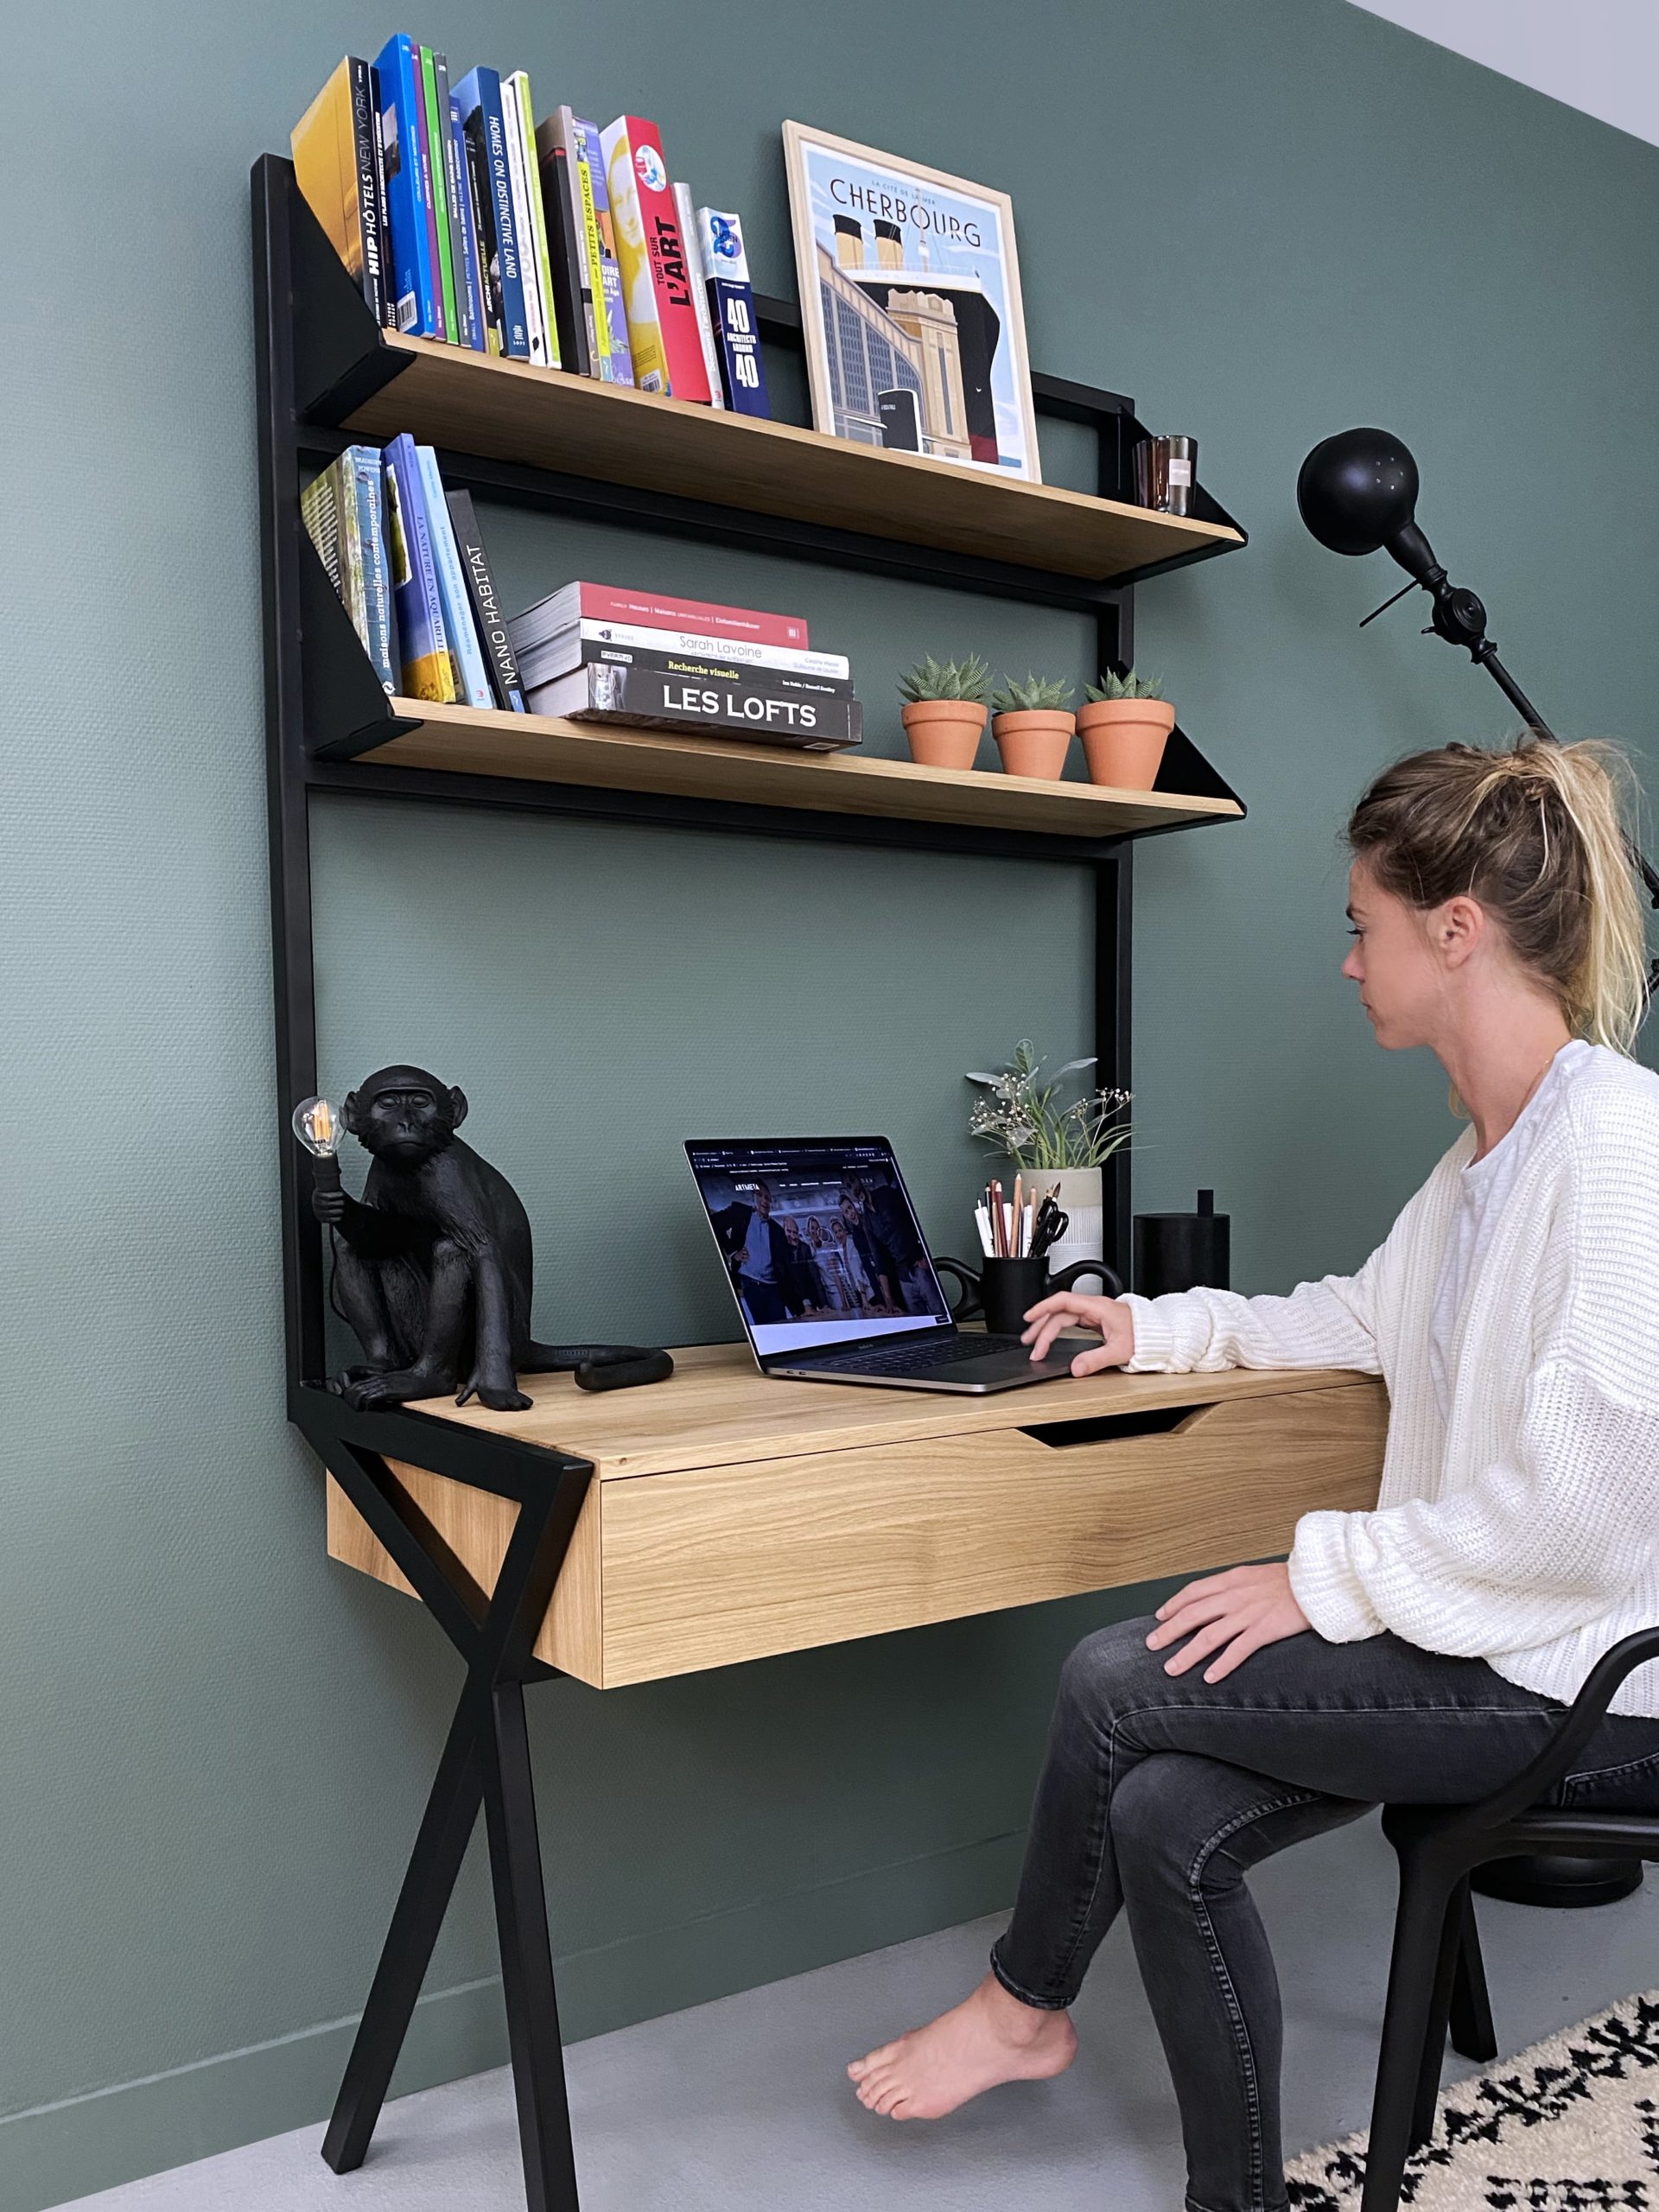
x,y
365,462
535,243
475,136
573,193
676,314
321,518
638,294
486,603
658,611
426,665
352,590
688,222
607,275
709,666
513,138
382,212
731,306
469,296
647,638
472,677
515,329
572,310
655,700
417,310
366,125
433,120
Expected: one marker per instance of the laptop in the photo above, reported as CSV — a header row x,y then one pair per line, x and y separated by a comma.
x,y
832,1275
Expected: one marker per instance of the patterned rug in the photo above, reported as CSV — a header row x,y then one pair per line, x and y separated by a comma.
x,y
1570,2125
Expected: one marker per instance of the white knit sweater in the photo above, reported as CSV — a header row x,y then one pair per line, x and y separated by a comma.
x,y
1524,1529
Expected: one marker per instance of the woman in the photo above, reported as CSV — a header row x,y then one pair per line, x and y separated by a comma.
x,y
1422,1652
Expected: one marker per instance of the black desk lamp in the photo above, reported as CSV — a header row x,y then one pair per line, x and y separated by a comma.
x,y
1358,492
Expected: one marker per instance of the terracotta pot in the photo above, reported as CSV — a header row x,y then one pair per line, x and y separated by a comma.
x,y
943,732
1034,741
1123,741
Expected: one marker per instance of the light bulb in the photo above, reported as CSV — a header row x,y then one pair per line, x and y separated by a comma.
x,y
318,1126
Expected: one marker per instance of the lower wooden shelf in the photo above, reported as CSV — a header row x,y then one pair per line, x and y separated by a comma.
x,y
470,740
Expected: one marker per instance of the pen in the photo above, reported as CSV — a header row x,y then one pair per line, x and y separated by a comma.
x,y
1016,1239
983,1219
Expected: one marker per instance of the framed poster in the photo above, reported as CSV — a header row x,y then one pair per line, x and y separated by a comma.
x,y
910,306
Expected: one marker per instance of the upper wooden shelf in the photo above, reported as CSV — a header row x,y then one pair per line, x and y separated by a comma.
x,y
507,410
539,748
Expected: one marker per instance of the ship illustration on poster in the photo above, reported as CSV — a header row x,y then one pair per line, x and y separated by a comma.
x,y
910,294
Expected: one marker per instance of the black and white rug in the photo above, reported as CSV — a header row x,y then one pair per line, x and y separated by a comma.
x,y
1570,2125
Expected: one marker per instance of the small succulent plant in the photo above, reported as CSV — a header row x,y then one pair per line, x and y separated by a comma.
x,y
968,679
1113,686
1032,694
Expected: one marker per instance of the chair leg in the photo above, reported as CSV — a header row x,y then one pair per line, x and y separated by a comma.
x,y
1445,1968
1474,2035
1419,1944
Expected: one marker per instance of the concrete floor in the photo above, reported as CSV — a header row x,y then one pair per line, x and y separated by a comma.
x,y
741,2106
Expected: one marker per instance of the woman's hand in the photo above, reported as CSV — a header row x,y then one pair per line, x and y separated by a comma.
x,y
1234,1614
1115,1323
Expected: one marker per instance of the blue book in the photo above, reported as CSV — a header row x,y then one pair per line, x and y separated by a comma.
x,y
409,191
472,677
428,671
478,95
469,295
731,310
365,463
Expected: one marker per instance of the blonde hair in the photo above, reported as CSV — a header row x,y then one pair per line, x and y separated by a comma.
x,y
1537,835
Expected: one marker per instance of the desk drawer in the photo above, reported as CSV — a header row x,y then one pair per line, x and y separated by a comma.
x,y
673,1573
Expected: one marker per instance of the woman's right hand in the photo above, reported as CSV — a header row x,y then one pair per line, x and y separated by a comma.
x,y
1114,1321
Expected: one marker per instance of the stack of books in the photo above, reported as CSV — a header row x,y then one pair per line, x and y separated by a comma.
x,y
606,652
557,243
409,566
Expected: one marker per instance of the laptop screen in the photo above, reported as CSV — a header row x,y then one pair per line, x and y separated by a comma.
x,y
819,1240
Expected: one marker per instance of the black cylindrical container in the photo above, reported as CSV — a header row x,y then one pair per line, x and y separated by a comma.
x,y
1181,1251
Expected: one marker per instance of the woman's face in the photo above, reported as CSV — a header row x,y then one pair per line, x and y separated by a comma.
x,y
1404,959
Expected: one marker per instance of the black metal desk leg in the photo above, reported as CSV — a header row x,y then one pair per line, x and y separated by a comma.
x,y
527,1960
445,1827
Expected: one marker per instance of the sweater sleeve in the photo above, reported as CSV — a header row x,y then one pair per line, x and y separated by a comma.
x,y
1552,1534
1326,1324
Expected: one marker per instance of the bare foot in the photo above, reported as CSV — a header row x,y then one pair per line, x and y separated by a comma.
x,y
992,2037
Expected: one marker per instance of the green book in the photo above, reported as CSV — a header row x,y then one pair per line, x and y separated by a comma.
x,y
437,133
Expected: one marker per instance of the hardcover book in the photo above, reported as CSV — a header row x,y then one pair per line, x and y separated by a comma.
x,y
608,271
708,664
518,178
422,639
487,604
472,675
563,650
417,305
655,281
604,691
481,200
579,601
688,223
469,291
435,121
536,251
482,116
380,636
584,337
334,150
731,310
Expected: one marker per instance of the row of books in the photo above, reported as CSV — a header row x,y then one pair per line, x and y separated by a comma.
x,y
557,243
408,561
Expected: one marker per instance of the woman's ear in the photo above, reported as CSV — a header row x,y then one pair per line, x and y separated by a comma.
x,y
1457,930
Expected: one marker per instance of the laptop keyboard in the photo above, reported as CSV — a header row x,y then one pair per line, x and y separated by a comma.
x,y
911,1359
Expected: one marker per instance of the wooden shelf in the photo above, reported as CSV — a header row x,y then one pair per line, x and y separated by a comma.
x,y
539,748
507,410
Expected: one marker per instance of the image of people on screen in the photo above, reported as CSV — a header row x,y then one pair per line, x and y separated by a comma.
x,y
816,1246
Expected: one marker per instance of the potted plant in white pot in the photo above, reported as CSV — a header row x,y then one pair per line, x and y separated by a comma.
x,y
945,706
1063,1147
1033,722
1124,723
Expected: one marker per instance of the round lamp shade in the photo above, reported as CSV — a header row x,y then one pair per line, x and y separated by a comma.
x,y
1357,490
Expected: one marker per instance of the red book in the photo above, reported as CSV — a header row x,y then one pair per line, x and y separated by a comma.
x,y
671,280
651,610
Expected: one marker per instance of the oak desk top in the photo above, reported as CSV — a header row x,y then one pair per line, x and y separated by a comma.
x,y
717,1409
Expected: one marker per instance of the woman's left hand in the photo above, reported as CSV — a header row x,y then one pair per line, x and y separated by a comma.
x,y
1234,1614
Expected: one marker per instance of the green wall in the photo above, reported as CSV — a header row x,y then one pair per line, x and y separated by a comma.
x,y
1265,221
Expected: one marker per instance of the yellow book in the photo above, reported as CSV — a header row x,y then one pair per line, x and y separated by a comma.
x,y
638,294
336,155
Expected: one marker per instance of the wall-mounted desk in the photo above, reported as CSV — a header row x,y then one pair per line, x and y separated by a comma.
x,y
720,1516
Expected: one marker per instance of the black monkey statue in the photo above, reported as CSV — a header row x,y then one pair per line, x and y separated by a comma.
x,y
432,1265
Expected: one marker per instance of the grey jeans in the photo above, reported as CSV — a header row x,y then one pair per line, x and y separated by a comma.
x,y
1160,1792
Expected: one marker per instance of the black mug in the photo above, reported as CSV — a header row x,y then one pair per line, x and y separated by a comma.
x,y
1005,1290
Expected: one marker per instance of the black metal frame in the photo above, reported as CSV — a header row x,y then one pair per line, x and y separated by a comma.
x,y
320,356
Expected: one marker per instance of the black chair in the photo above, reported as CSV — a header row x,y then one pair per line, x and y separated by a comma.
x,y
1436,1979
